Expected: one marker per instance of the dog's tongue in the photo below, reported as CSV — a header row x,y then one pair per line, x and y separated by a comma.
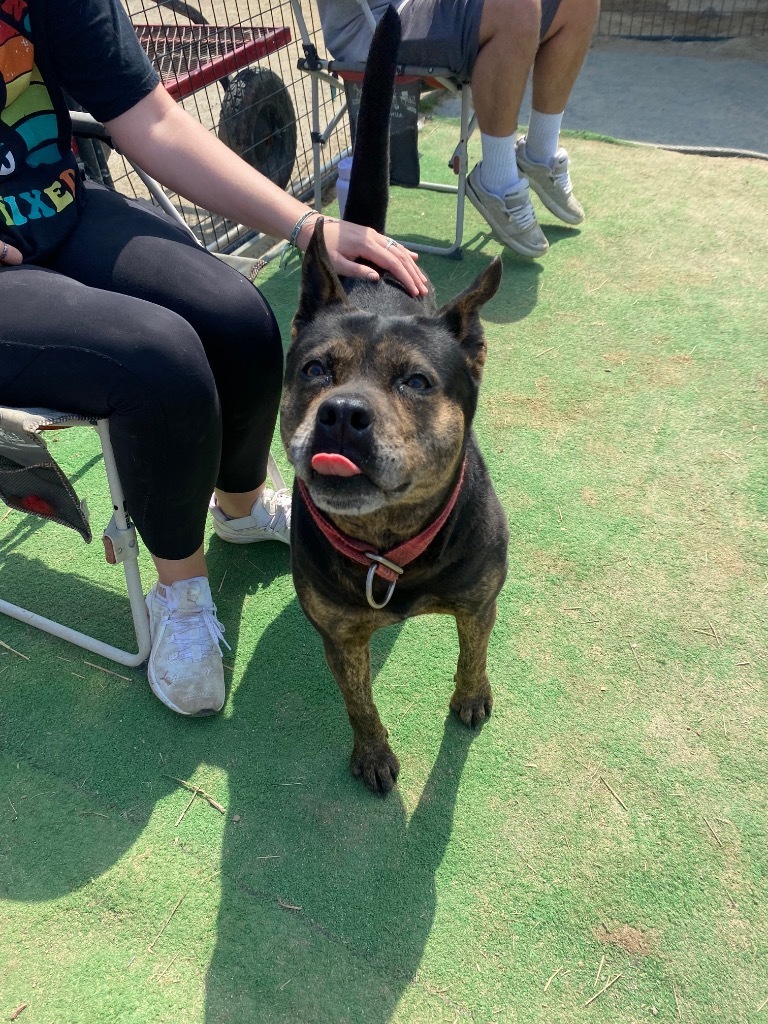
x,y
333,464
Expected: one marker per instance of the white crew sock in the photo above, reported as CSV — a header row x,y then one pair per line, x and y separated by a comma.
x,y
543,136
498,172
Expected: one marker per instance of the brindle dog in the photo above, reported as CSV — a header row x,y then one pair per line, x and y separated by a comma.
x,y
394,514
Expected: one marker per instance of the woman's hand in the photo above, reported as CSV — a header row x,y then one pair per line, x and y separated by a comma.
x,y
9,256
347,242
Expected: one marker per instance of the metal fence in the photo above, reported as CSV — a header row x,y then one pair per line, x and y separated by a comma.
x,y
232,65
683,20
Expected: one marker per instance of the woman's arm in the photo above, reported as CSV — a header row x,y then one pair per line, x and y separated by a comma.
x,y
176,149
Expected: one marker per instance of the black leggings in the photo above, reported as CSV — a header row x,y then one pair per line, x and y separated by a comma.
x,y
132,320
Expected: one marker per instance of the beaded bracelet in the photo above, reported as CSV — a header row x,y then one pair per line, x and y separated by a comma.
x,y
292,248
299,225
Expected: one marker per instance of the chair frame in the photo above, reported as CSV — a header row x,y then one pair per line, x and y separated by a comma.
x,y
119,537
328,72
121,546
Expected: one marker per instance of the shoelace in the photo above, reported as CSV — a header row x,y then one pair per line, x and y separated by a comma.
x,y
563,180
523,214
279,504
194,639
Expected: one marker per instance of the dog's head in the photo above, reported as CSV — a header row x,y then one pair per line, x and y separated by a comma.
x,y
380,389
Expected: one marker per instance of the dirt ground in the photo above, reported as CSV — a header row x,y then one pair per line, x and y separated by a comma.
x,y
739,48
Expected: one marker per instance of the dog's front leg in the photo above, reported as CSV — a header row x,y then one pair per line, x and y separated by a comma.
x,y
372,757
472,699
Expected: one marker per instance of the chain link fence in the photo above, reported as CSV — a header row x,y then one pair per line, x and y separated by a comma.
x,y
232,65
683,20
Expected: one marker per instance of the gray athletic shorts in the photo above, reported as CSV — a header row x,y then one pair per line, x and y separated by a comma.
x,y
445,33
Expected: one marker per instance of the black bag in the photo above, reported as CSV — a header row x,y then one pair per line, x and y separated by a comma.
x,y
403,130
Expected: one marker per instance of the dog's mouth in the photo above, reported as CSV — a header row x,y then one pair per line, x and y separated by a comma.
x,y
340,484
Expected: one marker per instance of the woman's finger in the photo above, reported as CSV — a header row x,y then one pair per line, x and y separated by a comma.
x,y
401,262
9,255
349,268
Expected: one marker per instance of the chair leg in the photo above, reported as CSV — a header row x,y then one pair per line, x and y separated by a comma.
x,y
127,551
274,473
459,159
88,643
316,143
120,537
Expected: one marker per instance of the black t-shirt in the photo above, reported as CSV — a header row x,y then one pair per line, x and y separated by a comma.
x,y
86,47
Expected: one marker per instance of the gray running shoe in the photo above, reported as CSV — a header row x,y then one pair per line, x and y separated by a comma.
x,y
270,519
551,183
185,667
511,216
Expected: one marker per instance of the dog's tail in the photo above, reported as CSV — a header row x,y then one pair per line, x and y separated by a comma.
x,y
368,194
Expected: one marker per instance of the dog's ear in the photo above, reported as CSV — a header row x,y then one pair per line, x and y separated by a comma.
x,y
320,285
461,315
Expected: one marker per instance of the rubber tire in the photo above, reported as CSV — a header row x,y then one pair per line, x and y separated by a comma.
x,y
258,121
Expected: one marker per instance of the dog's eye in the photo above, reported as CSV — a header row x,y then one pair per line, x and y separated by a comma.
x,y
417,381
314,370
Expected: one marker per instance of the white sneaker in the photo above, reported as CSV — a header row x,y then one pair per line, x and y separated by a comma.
x,y
511,216
185,667
270,519
551,183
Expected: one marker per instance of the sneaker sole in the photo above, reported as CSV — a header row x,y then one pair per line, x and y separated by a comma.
x,y
560,212
235,539
162,697
519,247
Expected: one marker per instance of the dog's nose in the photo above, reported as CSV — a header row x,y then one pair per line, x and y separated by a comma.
x,y
344,414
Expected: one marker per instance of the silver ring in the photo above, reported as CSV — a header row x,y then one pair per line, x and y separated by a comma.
x,y
4,253
390,243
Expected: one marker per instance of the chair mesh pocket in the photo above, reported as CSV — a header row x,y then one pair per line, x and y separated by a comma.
x,y
38,486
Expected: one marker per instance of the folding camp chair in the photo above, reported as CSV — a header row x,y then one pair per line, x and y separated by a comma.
x,y
32,482
331,74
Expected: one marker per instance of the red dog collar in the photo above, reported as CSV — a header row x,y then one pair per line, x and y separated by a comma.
x,y
390,564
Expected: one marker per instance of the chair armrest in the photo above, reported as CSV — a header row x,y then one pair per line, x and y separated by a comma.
x,y
86,127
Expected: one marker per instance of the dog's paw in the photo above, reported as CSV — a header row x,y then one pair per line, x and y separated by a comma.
x,y
473,711
378,768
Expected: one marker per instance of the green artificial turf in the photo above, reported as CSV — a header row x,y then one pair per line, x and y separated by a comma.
x,y
608,825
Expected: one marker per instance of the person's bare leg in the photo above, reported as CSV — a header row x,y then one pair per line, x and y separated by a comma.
x,y
561,54
240,504
174,570
555,70
509,37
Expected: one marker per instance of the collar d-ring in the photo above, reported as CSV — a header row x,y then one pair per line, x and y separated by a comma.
x,y
376,561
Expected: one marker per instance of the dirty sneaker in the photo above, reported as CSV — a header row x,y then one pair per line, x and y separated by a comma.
x,y
270,519
551,183
511,216
185,667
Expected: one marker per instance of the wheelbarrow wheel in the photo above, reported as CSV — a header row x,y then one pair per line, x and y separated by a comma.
x,y
258,121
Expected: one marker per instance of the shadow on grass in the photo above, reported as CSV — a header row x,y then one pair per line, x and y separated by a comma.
x,y
333,926
327,892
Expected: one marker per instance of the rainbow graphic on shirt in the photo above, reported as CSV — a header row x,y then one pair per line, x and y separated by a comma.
x,y
26,108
